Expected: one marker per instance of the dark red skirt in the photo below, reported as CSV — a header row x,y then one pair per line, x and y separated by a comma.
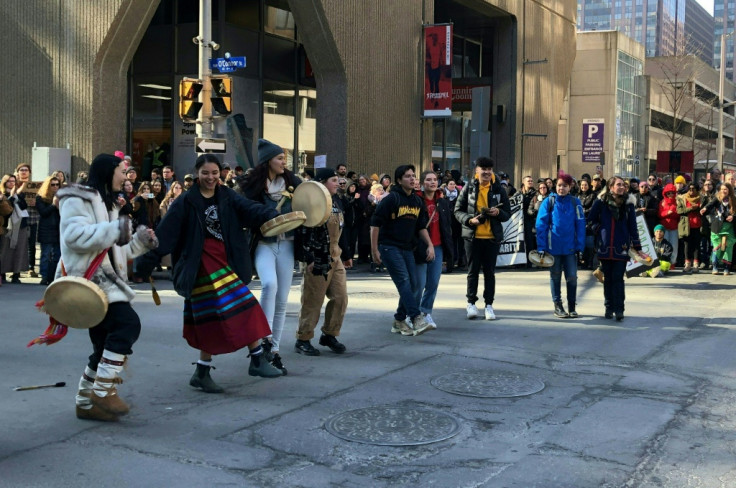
x,y
222,315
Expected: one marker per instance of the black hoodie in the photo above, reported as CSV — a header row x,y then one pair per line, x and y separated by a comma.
x,y
399,218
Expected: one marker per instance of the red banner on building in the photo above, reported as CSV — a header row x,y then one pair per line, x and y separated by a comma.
x,y
438,70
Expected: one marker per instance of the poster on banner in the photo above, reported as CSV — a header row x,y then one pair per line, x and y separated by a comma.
x,y
512,249
634,268
438,70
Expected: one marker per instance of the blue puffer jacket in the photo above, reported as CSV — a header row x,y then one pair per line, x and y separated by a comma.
x,y
614,237
561,225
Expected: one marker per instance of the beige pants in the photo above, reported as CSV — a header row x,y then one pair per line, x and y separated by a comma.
x,y
314,291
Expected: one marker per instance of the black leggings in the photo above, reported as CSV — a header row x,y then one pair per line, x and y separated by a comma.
x,y
692,245
117,332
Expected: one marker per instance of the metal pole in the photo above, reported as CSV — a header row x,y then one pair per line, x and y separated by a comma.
x,y
204,122
721,82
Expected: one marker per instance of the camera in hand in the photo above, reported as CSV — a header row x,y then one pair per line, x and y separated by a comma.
x,y
150,195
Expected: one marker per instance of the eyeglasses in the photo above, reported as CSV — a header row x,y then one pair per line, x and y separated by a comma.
x,y
23,170
54,184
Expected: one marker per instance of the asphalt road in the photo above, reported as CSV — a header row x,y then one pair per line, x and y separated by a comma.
x,y
649,401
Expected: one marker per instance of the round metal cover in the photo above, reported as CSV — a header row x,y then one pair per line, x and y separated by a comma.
x,y
488,385
393,426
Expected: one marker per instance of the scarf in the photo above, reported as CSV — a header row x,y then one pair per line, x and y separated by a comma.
x,y
693,200
16,221
275,188
615,204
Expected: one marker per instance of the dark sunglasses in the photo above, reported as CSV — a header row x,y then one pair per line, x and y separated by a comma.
x,y
54,184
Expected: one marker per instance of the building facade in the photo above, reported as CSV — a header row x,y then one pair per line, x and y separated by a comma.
x,y
340,78
724,13
659,25
607,93
699,29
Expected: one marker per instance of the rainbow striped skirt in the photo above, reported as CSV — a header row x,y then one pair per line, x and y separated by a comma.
x,y
222,314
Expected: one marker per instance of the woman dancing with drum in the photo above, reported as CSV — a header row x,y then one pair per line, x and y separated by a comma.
x,y
271,183
203,232
90,228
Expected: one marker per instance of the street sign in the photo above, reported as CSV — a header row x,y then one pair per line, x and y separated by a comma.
x,y
593,130
227,65
204,145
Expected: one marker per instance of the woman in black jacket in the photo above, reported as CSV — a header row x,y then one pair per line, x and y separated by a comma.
x,y
428,273
203,232
587,197
47,205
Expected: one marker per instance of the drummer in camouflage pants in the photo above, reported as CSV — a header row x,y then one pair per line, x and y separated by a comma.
x,y
324,276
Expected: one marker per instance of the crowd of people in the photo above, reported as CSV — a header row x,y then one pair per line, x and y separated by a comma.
x,y
415,227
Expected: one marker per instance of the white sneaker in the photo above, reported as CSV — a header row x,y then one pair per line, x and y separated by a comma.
x,y
428,318
472,311
489,313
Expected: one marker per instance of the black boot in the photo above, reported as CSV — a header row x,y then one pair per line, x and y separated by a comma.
x,y
332,342
267,346
201,379
560,311
276,363
571,310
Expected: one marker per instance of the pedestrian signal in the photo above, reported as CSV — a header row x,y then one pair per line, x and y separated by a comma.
x,y
189,107
222,94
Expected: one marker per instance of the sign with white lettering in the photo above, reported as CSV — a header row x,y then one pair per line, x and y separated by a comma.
x,y
592,140
227,65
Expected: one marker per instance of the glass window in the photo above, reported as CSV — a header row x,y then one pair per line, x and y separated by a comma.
x,y
278,116
243,13
188,11
151,107
307,126
164,13
278,19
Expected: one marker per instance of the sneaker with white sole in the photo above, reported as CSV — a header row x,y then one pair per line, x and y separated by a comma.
x,y
472,311
401,327
430,320
489,313
421,325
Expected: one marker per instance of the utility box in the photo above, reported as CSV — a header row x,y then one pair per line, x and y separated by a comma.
x,y
46,160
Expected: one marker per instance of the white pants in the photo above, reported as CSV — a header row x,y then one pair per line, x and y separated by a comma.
x,y
275,267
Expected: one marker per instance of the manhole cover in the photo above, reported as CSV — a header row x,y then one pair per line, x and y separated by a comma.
x,y
393,426
488,385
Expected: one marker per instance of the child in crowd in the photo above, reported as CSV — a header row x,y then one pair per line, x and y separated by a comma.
x,y
664,251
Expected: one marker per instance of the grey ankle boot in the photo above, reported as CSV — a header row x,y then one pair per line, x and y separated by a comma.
x,y
202,379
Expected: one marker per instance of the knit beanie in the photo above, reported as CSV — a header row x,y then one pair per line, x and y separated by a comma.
x,y
680,179
659,227
324,174
267,150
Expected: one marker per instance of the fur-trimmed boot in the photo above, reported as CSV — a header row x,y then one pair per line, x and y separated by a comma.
x,y
104,393
85,409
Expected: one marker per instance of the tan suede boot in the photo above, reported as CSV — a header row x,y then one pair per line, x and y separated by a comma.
x,y
105,395
85,410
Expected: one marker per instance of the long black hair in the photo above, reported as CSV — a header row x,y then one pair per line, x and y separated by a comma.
x,y
100,177
254,184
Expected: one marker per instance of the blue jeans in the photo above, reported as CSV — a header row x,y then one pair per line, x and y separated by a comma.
x,y
613,284
50,255
569,264
426,280
401,267
275,265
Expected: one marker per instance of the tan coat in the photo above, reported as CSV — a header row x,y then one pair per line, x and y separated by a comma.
x,y
5,210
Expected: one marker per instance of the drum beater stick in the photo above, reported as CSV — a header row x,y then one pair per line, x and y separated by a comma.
x,y
36,387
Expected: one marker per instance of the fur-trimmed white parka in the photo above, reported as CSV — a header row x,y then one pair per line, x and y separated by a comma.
x,y
87,228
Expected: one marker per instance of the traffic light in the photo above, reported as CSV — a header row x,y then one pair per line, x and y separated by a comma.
x,y
222,94
189,107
